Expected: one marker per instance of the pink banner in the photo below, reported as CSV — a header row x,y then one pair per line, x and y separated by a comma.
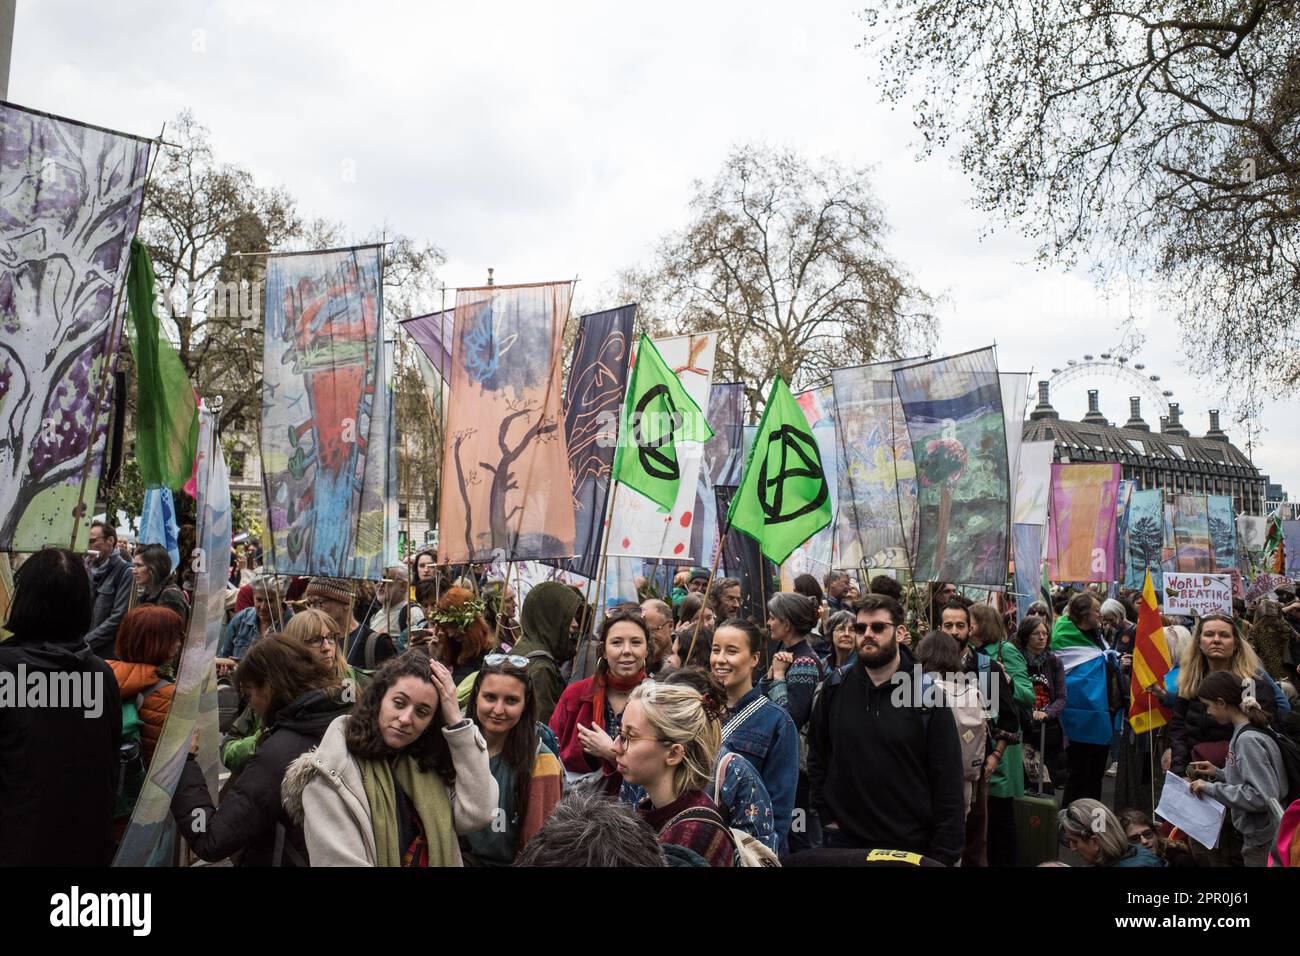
x,y
1081,525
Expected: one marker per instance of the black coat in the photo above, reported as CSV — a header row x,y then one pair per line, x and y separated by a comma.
x,y
58,766
251,820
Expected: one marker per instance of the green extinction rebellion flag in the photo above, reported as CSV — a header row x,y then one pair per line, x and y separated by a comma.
x,y
783,499
657,414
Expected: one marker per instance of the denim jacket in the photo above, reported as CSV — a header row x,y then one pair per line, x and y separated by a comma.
x,y
767,738
743,801
241,634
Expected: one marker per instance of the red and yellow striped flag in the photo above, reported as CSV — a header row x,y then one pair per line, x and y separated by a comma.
x,y
1150,664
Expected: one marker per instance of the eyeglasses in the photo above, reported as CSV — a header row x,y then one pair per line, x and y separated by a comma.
x,y
629,739
1141,835
876,627
514,660
320,641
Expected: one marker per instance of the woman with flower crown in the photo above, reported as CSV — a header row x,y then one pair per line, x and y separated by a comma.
x,y
461,637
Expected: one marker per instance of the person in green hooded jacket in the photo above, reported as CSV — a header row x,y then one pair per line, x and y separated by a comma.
x,y
989,635
547,624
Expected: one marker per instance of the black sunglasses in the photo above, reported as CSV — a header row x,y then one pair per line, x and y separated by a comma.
x,y
876,627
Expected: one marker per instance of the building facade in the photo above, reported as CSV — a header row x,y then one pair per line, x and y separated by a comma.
x,y
1171,459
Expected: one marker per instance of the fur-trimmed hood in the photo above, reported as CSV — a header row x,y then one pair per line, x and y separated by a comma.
x,y
329,760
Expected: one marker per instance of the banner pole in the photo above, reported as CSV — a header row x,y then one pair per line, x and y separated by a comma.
x,y
601,577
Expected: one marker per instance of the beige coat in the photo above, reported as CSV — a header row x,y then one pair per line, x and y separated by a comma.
x,y
323,788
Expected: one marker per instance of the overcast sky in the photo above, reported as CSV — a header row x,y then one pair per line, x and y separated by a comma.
x,y
562,139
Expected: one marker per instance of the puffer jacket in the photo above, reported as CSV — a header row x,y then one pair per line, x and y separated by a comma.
x,y
133,679
548,611
323,792
250,821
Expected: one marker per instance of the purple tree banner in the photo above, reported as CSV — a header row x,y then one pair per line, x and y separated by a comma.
x,y
593,398
69,205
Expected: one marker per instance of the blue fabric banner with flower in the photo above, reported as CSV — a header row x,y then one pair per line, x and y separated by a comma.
x,y
953,408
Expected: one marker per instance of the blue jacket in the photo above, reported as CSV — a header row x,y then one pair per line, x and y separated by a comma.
x,y
768,739
242,633
743,800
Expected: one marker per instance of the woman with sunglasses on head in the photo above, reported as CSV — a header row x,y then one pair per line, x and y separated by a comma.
x,y
1047,674
589,712
400,779
668,743
529,776
757,729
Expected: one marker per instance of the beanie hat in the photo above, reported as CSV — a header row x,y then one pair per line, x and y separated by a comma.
x,y
335,589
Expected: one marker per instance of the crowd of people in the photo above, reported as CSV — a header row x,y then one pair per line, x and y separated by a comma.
x,y
434,720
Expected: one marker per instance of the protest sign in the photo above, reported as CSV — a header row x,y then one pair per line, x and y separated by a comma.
x,y
1201,593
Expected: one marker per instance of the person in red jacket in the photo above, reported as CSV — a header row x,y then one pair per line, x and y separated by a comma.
x,y
589,713
149,638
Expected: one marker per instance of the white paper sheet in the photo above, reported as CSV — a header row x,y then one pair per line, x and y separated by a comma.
x,y
1201,818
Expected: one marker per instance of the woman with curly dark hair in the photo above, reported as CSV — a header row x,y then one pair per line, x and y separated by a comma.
x,y
398,781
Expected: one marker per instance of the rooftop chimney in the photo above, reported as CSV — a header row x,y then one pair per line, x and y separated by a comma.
x,y
1044,408
1135,414
1164,424
1175,427
1215,433
1094,416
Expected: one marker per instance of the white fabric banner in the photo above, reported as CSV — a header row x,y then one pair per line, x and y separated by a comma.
x,y
639,528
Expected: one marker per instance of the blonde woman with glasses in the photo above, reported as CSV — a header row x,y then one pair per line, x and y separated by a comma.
x,y
667,743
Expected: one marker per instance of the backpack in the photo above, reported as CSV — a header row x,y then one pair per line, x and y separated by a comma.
x,y
749,851
1290,751
970,714
131,765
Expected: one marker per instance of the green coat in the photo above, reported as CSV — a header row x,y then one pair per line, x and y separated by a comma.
x,y
1009,779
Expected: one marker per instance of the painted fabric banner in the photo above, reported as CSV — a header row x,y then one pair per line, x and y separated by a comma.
x,y
875,523
592,401
1144,539
507,494
69,205
158,522
1193,551
742,559
149,837
640,529
723,462
1081,526
377,525
1223,531
1122,502
325,424
1015,387
1027,546
1291,546
1033,482
814,556
433,333
953,408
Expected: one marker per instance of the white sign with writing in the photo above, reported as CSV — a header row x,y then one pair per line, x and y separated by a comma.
x,y
1199,593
